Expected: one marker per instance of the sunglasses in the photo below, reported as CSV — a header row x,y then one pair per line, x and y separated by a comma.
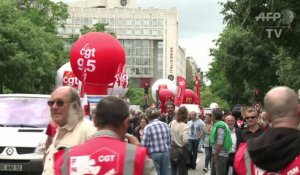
x,y
59,103
251,117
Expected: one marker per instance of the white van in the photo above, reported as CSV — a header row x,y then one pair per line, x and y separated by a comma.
x,y
23,122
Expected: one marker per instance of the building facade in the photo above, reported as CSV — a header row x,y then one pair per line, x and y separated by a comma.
x,y
149,36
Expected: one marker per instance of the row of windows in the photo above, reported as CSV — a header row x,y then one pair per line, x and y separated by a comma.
x,y
137,43
139,52
118,21
138,61
126,32
139,71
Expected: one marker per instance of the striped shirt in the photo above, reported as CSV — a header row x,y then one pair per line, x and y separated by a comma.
x,y
157,137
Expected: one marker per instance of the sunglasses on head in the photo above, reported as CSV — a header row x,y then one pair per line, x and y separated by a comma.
x,y
250,117
58,103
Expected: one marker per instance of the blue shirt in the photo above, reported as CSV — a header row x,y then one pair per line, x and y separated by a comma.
x,y
157,137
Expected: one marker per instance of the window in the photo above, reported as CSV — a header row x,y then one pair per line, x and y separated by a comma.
x,y
137,22
86,21
69,30
60,30
146,31
94,21
128,32
154,32
137,32
120,22
154,22
146,22
111,21
77,30
69,21
128,22
77,21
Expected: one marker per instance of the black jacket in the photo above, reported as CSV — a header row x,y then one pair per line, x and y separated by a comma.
x,y
275,148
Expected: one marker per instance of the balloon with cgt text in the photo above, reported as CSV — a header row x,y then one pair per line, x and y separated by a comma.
x,y
95,59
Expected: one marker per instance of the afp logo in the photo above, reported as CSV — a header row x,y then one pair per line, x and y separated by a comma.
x,y
282,19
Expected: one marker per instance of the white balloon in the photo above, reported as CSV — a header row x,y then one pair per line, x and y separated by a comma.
x,y
170,86
65,77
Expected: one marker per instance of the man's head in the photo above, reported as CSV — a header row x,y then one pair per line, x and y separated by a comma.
x,y
112,113
193,115
217,114
281,104
152,113
65,105
170,106
230,121
251,116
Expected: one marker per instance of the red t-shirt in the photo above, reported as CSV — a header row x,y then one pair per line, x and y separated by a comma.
x,y
51,129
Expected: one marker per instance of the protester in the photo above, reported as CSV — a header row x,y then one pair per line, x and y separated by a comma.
x,y
220,139
253,128
139,131
106,152
206,143
157,138
277,150
50,132
236,137
179,132
196,128
169,116
67,113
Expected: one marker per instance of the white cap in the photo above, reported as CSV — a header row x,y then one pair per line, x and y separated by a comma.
x,y
213,106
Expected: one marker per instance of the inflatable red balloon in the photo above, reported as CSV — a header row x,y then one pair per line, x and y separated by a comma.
x,y
95,60
189,97
164,96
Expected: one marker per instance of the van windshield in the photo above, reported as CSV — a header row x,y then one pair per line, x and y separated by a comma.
x,y
24,111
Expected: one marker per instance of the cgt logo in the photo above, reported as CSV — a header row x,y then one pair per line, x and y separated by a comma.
x,y
69,79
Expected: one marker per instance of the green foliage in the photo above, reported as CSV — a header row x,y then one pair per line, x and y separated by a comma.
x,y
30,51
98,27
246,58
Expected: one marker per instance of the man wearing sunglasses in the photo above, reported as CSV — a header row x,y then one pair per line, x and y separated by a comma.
x,y
67,113
277,150
253,128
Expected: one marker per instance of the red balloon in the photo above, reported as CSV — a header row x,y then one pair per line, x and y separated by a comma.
x,y
164,96
189,97
96,58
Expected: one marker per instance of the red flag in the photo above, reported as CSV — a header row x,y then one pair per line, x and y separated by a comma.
x,y
181,84
197,93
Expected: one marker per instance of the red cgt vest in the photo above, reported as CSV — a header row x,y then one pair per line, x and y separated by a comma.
x,y
244,166
99,156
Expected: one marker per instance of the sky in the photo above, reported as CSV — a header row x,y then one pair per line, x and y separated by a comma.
x,y
200,22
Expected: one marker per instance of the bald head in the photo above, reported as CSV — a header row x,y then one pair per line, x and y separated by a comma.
x,y
281,102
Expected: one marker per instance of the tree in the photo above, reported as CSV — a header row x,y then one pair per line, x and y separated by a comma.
x,y
30,53
252,16
242,64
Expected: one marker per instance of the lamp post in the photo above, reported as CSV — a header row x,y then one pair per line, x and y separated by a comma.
x,y
146,95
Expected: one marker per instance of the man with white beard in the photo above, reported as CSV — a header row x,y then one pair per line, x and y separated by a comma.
x,y
74,129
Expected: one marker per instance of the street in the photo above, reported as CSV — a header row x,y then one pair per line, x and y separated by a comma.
x,y
200,166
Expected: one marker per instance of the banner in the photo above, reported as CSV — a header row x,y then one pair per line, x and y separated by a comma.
x,y
181,84
197,93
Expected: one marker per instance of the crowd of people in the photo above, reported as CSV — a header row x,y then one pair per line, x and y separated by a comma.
x,y
123,141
